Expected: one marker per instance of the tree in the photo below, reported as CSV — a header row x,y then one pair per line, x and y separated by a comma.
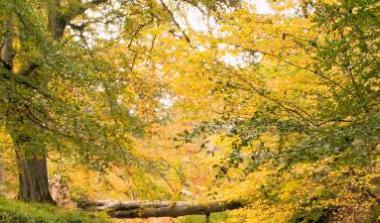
x,y
330,114
31,50
304,99
61,89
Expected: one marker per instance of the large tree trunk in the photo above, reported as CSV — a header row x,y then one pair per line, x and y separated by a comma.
x,y
28,142
147,209
33,178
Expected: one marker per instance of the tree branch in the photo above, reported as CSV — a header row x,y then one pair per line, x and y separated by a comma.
x,y
175,21
22,81
29,70
75,11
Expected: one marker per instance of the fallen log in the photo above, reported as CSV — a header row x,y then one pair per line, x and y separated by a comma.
x,y
147,209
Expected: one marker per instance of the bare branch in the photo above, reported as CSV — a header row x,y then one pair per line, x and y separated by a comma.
x,y
175,21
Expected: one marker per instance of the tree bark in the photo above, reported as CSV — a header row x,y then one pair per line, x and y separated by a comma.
x,y
147,209
31,158
33,178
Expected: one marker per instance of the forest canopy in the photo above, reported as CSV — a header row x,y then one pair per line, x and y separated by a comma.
x,y
259,110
